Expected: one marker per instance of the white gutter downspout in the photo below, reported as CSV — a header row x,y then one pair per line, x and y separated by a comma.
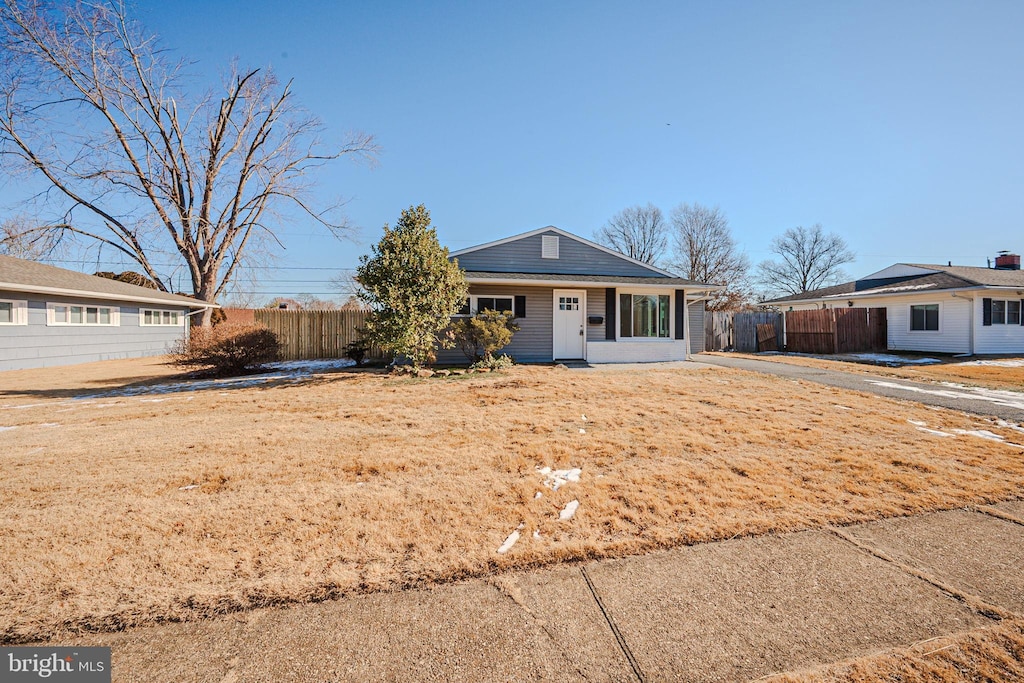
x,y
970,328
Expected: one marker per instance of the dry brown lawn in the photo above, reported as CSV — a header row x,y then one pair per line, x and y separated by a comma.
x,y
121,510
994,654
950,370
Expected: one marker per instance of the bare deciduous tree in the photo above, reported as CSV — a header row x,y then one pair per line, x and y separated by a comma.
x,y
638,232
809,259
704,250
132,161
21,238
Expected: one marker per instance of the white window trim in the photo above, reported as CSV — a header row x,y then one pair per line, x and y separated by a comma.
x,y
161,311
474,306
647,340
51,321
1006,312
910,318
19,311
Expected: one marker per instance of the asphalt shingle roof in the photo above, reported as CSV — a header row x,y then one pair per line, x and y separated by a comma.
x,y
947,277
611,279
16,274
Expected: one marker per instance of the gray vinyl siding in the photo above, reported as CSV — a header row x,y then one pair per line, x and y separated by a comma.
x,y
696,331
574,258
595,306
532,343
38,345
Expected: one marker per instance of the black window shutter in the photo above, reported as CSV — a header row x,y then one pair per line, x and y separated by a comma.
x,y
519,306
609,313
986,312
1022,311
680,308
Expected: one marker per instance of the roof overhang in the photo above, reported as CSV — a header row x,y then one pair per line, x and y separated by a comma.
x,y
625,282
85,294
884,295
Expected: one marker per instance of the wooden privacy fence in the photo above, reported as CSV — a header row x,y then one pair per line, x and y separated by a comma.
x,y
836,330
717,330
732,331
833,330
314,334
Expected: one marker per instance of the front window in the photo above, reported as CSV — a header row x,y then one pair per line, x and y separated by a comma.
x,y
644,315
13,312
477,304
70,314
924,318
150,317
1006,312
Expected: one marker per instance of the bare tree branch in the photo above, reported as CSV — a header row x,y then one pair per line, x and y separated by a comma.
x,y
637,232
92,105
703,250
810,259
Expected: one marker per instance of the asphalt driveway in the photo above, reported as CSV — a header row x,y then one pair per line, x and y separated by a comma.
x,y
1006,405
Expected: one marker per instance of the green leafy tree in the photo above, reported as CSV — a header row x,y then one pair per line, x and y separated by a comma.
x,y
485,333
411,288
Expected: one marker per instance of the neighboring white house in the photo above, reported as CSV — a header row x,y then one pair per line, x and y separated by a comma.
x,y
946,309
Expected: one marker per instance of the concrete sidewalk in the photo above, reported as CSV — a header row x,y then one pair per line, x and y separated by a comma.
x,y
733,610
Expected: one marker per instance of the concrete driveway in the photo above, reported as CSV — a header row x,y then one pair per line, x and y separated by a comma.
x,y
1007,405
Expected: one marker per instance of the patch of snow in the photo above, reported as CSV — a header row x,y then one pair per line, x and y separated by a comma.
x,y
49,424
582,430
999,363
536,534
1009,399
554,479
153,400
584,418
293,371
7,429
1010,425
509,542
188,488
890,359
568,511
985,434
918,423
538,495
936,432
839,407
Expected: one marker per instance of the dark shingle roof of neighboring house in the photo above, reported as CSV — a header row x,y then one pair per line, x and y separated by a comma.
x,y
992,277
596,279
19,275
945,277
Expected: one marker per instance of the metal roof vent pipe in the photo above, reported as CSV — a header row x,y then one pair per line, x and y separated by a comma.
x,y
1007,261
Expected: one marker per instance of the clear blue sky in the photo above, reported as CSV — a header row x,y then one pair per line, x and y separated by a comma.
x,y
898,125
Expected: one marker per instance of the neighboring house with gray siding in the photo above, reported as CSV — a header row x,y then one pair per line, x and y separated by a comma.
x,y
931,308
53,316
577,300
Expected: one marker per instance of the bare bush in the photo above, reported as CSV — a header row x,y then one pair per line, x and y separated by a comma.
x,y
227,349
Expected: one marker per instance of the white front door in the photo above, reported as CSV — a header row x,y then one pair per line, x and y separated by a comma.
x,y
569,323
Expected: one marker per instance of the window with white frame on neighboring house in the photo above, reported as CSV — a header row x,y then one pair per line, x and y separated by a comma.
x,y
82,314
149,317
13,312
644,315
1005,312
479,303
924,318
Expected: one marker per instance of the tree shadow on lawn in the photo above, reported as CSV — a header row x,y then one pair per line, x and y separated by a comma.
x,y
158,385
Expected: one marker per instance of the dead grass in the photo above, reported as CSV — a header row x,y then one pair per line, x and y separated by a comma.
x,y
994,654
953,370
129,511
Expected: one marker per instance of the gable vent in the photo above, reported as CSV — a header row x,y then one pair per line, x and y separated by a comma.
x,y
549,246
